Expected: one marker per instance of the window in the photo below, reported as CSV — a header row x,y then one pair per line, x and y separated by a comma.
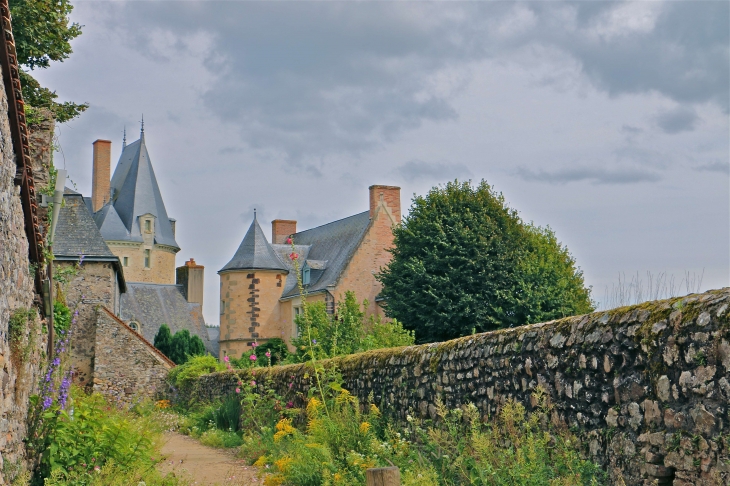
x,y
147,225
223,307
147,259
125,261
305,275
134,325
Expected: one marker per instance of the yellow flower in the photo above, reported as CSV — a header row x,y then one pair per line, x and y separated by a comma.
x,y
261,461
284,428
274,480
374,410
163,404
283,463
345,397
338,476
364,427
313,406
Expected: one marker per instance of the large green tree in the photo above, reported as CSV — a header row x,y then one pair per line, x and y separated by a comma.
x,y
180,347
463,261
43,33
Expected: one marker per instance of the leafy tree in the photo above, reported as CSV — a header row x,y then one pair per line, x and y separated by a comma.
x,y
43,33
163,340
464,262
180,347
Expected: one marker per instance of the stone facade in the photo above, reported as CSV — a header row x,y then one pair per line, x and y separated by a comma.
x,y
18,374
646,388
162,261
94,284
126,367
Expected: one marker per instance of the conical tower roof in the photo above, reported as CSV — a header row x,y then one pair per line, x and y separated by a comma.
x,y
134,192
255,253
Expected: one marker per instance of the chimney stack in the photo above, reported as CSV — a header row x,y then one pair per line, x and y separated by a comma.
x,y
390,196
190,276
281,229
101,174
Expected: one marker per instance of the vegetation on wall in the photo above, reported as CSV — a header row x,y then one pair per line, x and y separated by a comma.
x,y
465,262
22,334
43,33
180,347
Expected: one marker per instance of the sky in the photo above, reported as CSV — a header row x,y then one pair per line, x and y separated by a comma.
x,y
607,121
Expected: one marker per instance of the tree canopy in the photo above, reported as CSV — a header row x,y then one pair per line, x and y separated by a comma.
x,y
180,347
43,33
464,262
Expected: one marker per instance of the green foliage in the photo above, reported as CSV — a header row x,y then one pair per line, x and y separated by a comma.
x,y
220,439
459,449
21,334
196,366
463,260
276,347
43,33
90,435
347,332
61,317
180,347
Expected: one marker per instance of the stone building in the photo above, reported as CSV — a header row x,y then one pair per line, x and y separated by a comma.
x,y
130,213
259,295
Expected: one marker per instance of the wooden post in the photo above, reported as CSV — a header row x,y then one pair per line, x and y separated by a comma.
x,y
383,476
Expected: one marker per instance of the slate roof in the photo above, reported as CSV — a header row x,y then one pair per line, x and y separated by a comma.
x,y
77,234
155,304
134,192
214,334
255,253
329,248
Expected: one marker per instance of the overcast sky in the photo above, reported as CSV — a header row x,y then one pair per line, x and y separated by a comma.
x,y
606,121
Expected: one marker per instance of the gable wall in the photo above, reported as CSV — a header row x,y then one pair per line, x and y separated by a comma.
x,y
368,259
126,368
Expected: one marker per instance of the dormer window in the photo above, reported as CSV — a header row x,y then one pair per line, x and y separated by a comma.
x,y
148,225
305,274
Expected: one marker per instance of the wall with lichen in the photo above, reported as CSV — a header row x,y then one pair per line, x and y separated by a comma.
x,y
22,341
646,387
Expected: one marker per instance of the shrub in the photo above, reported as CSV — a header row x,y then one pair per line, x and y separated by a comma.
x,y
61,317
196,366
21,335
220,439
180,347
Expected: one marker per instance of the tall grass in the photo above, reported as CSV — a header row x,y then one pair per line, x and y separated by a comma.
x,y
655,286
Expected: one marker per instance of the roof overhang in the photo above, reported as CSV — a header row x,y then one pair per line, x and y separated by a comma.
x,y
274,270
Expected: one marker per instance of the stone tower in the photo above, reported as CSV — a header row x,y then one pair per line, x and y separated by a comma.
x,y
251,285
132,217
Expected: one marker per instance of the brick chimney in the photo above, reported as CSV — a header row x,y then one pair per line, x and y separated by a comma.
x,y
390,196
281,229
190,276
101,174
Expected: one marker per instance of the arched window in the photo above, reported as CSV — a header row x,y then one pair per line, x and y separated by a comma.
x,y
134,325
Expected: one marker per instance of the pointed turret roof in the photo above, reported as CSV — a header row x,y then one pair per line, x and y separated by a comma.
x,y
255,253
134,192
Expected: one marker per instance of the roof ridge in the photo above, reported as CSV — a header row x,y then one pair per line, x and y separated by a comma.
x,y
332,222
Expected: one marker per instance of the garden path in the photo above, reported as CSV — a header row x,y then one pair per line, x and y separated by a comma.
x,y
206,465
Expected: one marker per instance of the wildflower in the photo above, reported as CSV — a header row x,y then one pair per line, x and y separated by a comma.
x,y
97,468
314,341
374,409
283,463
252,357
226,359
268,354
238,390
364,427
47,402
293,256
290,404
288,241
254,344
253,382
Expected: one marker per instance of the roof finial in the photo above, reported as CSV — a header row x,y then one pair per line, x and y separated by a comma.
x,y
254,213
141,135
124,138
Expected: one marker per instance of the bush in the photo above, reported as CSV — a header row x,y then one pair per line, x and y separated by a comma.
x,y
180,347
220,439
196,366
61,317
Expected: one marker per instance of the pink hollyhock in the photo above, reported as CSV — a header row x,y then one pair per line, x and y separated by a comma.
x,y
293,256
254,344
238,390
226,359
253,383
252,357
288,241
268,354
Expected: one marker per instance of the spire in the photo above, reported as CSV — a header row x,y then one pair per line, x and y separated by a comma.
x,y
255,252
141,133
124,138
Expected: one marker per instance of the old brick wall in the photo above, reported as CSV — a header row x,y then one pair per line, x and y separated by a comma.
x,y
19,371
126,367
94,284
646,388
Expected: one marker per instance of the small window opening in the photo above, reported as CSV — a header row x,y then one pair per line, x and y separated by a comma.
x,y
223,307
305,275
125,261
147,225
147,259
134,325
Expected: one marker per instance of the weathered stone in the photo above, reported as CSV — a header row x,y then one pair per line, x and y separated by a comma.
x,y
658,327
652,413
723,351
704,421
703,319
634,415
662,388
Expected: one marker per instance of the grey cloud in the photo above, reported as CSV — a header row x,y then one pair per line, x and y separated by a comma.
x,y
431,171
630,130
589,174
316,79
717,166
681,119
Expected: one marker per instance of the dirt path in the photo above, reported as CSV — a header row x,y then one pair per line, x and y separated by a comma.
x,y
206,465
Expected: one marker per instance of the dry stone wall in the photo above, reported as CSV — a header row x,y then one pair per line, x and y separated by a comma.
x,y
20,361
646,387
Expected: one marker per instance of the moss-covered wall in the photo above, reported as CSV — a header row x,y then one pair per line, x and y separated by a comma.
x,y
646,387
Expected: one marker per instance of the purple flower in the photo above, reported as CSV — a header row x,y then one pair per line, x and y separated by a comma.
x,y
63,390
314,341
47,402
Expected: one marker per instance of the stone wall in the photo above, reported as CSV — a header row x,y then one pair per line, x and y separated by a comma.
x,y
93,284
19,369
645,387
127,368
